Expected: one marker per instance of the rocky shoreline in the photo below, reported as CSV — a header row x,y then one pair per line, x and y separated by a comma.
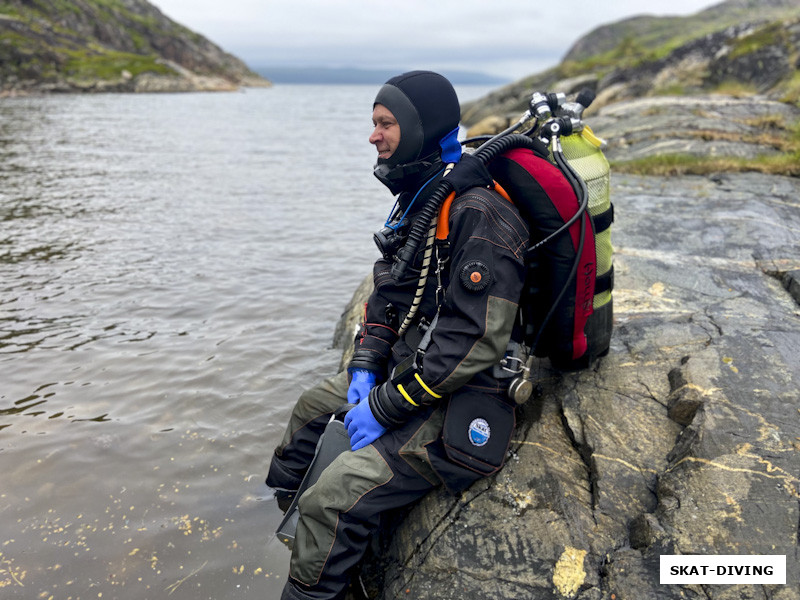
x,y
89,46
146,83
685,439
703,126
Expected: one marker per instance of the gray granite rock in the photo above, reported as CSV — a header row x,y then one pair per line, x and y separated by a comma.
x,y
708,125
684,439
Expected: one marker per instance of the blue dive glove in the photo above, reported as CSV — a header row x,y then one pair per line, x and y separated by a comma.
x,y
361,383
362,426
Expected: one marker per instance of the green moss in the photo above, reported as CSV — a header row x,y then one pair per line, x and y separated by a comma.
x,y
790,90
774,34
685,164
775,132
639,48
10,10
51,48
774,122
12,39
735,88
109,65
46,9
671,90
629,53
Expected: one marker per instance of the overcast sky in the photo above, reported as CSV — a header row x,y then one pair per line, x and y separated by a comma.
x,y
509,38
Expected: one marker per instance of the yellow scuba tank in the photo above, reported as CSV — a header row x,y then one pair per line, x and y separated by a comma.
x,y
583,151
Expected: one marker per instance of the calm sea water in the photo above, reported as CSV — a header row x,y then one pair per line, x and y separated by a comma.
x,y
171,271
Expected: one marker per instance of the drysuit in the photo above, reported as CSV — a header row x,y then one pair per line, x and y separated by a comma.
x,y
450,421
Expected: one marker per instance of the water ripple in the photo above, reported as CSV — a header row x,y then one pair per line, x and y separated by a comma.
x,y
171,271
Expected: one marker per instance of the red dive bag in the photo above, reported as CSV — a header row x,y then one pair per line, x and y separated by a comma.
x,y
560,316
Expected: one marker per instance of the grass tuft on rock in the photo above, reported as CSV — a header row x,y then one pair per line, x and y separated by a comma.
x,y
685,164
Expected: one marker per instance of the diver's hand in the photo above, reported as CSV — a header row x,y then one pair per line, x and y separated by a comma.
x,y
362,426
361,383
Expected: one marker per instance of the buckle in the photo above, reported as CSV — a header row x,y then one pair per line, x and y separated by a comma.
x,y
520,364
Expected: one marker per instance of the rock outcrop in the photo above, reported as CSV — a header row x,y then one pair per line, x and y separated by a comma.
x,y
701,126
108,46
750,52
685,439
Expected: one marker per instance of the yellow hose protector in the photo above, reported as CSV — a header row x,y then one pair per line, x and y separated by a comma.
x,y
405,395
425,387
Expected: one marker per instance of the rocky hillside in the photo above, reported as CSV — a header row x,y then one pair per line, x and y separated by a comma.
x,y
743,49
108,46
670,32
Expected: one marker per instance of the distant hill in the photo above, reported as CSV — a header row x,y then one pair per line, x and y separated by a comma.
x,y
327,75
711,92
740,47
108,45
651,32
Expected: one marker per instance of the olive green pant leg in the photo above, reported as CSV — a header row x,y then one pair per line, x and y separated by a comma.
x,y
309,417
339,514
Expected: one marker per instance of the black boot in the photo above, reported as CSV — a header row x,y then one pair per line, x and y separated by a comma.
x,y
284,499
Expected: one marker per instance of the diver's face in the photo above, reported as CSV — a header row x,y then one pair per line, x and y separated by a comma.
x,y
386,135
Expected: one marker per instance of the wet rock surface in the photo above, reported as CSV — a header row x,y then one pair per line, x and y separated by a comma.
x,y
705,125
684,439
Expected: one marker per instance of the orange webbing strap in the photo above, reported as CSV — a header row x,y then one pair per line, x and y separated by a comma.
x,y
443,224
499,189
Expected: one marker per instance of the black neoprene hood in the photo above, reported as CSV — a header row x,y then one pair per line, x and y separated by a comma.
x,y
426,108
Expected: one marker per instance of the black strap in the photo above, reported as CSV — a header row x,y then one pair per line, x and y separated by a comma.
x,y
604,282
603,220
540,149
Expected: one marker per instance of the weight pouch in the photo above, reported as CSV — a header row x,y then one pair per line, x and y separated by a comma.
x,y
477,430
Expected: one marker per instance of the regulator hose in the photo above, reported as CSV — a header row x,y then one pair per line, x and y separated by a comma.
x,y
486,152
423,274
582,194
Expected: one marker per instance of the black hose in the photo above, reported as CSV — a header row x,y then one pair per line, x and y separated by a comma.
x,y
582,194
579,187
477,138
487,152
419,230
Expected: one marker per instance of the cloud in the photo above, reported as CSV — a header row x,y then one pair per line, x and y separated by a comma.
x,y
502,36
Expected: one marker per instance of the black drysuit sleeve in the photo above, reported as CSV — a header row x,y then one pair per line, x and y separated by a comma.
x,y
488,238
378,332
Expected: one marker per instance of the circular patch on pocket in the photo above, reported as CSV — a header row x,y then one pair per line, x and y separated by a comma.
x,y
479,432
475,276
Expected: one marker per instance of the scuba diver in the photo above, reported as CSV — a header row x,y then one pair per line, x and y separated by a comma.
x,y
427,395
